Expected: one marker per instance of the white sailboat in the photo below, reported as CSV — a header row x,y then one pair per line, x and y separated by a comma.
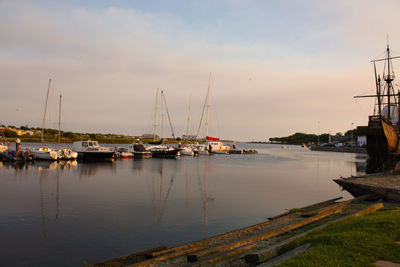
x,y
64,153
44,152
213,144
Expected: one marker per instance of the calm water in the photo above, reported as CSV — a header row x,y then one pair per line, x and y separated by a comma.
x,y
65,214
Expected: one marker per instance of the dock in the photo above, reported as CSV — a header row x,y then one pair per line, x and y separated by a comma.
x,y
252,245
384,186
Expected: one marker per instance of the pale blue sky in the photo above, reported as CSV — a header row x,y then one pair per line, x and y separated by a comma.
x,y
278,66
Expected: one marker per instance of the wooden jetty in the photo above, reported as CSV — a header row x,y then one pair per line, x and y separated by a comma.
x,y
379,186
253,244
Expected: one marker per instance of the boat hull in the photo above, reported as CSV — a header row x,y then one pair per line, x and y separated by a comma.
x,y
141,154
165,153
95,155
44,155
382,139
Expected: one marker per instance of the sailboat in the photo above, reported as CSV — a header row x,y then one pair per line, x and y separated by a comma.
x,y
64,153
156,148
44,152
213,145
383,140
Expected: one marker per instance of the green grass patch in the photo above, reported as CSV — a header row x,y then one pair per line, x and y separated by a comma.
x,y
357,241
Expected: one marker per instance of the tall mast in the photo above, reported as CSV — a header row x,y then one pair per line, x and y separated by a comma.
x,y
45,108
166,107
208,104
378,93
155,117
162,116
188,118
59,121
388,79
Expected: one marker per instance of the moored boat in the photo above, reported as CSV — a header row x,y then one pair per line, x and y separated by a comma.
x,y
139,151
67,154
383,141
216,146
91,150
163,151
44,153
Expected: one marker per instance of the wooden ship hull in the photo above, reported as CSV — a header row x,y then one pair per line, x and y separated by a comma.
x,y
383,140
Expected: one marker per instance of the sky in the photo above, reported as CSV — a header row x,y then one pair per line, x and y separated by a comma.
x,y
278,67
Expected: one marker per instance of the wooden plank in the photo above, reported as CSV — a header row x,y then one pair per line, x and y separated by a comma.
x,y
230,246
307,207
273,251
167,257
239,231
128,259
225,257
286,256
370,209
211,239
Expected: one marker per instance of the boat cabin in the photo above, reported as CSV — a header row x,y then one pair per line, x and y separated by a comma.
x,y
88,146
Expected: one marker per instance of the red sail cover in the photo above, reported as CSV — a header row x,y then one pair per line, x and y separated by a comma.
x,y
209,138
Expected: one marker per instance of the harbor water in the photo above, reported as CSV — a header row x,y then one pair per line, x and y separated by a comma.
x,y
68,213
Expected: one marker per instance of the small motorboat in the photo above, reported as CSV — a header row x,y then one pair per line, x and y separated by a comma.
x,y
44,153
163,151
139,151
188,150
123,152
67,154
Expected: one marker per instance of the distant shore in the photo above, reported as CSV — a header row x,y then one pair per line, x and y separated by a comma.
x,y
361,150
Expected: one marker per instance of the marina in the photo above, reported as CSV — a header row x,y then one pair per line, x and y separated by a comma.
x,y
74,212
199,134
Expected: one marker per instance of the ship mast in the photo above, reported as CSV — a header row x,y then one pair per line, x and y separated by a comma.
x,y
388,79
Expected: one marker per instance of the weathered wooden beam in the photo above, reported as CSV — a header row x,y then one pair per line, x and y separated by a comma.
x,y
307,207
230,246
225,257
268,253
166,257
211,239
128,259
287,255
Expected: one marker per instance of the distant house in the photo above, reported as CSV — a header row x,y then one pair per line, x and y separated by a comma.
x,y
29,132
361,140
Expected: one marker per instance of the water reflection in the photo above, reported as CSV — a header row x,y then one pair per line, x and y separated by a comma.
x,y
139,204
375,166
92,168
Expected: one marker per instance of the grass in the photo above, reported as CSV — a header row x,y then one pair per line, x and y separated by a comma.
x,y
357,241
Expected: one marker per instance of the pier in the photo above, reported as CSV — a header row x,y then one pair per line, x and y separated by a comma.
x,y
378,186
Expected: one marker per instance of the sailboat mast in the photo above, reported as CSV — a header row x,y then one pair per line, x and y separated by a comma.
x,y
59,121
45,108
155,117
208,104
166,108
188,118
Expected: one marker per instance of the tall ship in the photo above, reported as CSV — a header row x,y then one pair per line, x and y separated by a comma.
x,y
383,134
